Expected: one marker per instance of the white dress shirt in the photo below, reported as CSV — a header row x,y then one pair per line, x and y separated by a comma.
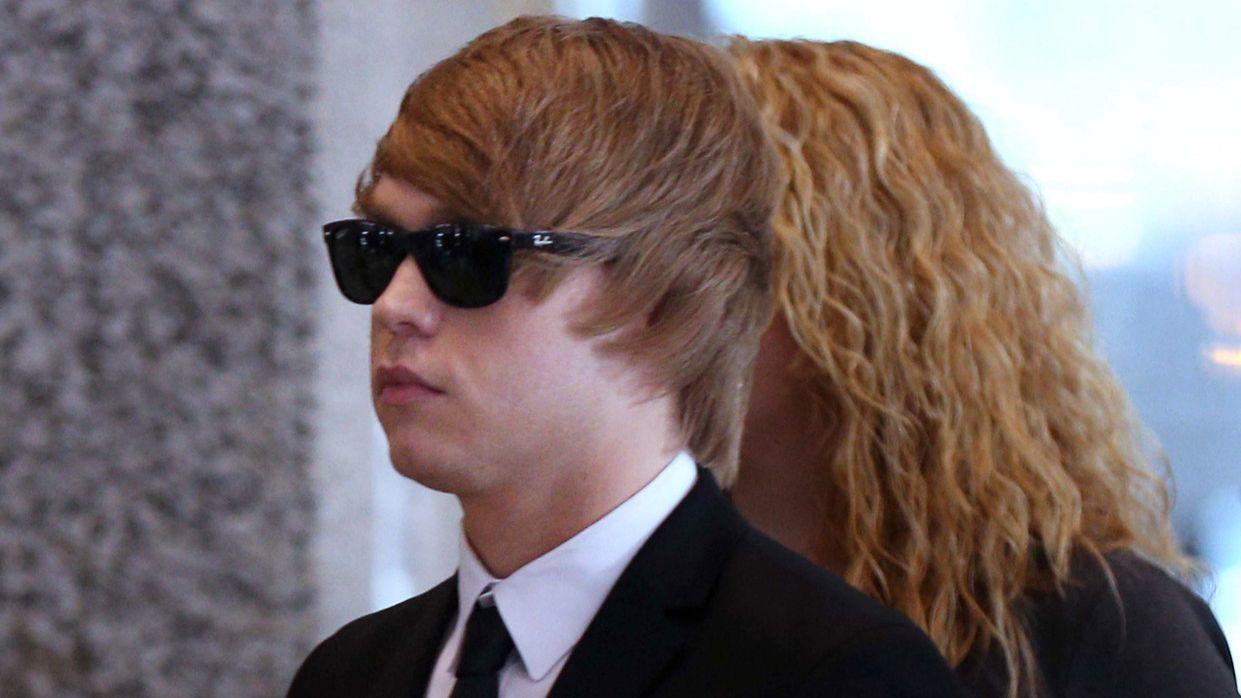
x,y
548,603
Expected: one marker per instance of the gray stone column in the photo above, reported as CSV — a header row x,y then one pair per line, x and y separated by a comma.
x,y
156,243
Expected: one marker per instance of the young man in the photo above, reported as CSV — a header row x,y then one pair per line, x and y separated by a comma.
x,y
564,373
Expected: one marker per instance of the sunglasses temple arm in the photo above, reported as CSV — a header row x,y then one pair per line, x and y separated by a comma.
x,y
555,243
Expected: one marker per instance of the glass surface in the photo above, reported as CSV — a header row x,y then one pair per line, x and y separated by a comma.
x,y
466,269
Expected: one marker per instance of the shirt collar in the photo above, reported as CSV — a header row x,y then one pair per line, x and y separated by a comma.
x,y
548,603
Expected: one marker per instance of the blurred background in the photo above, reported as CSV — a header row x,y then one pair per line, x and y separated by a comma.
x,y
193,489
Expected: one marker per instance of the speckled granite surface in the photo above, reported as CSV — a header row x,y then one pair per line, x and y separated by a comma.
x,y
156,249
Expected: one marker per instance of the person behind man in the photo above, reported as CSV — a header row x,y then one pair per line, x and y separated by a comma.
x,y
566,407
931,419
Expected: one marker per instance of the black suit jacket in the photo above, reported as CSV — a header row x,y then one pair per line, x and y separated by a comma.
x,y
1148,635
708,607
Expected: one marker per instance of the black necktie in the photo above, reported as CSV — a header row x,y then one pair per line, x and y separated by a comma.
x,y
483,652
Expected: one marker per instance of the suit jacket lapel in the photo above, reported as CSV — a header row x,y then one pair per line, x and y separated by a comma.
x,y
410,669
653,610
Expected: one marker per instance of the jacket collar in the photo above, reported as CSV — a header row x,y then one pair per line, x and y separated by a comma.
x,y
643,624
549,602
656,604
409,671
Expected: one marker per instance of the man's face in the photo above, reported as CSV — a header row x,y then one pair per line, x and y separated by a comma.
x,y
478,399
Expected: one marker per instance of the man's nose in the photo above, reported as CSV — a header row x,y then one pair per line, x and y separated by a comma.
x,y
408,307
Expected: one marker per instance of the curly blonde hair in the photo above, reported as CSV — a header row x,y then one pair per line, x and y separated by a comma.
x,y
973,440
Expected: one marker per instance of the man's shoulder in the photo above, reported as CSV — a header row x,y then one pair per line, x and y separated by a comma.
x,y
381,627
792,594
806,629
357,653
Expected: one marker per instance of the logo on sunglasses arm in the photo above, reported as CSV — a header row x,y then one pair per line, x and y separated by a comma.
x,y
541,240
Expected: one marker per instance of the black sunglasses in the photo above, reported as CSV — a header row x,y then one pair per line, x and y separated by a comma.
x,y
466,265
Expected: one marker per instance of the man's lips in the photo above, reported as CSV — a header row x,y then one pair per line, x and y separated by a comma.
x,y
397,385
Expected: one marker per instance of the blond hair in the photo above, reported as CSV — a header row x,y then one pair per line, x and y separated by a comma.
x,y
973,441
649,142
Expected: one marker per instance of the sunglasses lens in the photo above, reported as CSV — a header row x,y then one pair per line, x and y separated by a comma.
x,y
364,260
466,267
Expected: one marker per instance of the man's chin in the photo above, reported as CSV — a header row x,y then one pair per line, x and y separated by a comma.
x,y
436,473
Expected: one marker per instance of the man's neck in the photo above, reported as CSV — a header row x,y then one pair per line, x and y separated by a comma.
x,y
508,529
